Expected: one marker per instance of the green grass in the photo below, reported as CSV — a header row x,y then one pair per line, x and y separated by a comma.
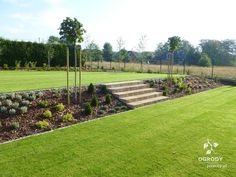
x,y
160,140
29,80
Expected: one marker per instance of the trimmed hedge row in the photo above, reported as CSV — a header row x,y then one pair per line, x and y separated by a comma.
x,y
25,52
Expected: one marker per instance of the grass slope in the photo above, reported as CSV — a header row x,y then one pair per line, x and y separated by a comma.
x,y
28,80
164,139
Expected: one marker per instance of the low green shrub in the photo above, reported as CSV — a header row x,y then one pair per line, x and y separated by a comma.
x,y
94,101
18,98
15,125
12,111
7,103
23,109
60,107
189,90
101,112
5,66
25,103
88,109
32,98
25,95
165,92
3,97
15,105
68,118
108,99
39,94
123,107
42,124
3,109
112,111
104,89
47,114
91,88
117,108
104,108
43,104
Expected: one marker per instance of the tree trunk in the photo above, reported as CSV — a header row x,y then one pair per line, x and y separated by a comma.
x,y
76,90
110,64
212,69
48,61
91,68
184,66
68,69
160,64
80,76
141,65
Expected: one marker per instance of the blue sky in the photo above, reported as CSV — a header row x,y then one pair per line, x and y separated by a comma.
x,y
107,20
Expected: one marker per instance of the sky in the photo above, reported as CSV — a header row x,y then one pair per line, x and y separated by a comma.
x,y
108,20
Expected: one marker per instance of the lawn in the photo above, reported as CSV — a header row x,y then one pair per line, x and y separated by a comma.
x,y
163,139
29,80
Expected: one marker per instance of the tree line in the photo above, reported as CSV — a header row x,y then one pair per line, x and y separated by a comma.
x,y
53,53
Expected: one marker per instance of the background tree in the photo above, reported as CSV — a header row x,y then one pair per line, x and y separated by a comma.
x,y
53,40
107,52
161,53
174,44
123,54
205,60
72,31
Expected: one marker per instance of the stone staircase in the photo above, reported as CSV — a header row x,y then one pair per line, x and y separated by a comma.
x,y
135,93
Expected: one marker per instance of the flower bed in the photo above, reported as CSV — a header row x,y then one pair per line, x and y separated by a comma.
x,y
181,86
28,113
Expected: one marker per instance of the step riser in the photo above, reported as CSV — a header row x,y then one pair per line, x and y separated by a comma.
x,y
141,98
114,90
134,93
124,84
147,103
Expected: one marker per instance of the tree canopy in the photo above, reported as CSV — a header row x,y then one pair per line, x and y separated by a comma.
x,y
71,31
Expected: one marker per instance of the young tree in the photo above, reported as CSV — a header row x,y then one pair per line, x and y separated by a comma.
x,y
120,45
174,44
107,52
50,51
71,32
205,60
141,48
53,40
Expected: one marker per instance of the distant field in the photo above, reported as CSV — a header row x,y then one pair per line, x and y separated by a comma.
x,y
222,71
29,80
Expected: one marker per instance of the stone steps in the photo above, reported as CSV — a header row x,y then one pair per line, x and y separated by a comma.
x,y
146,101
128,87
120,84
135,93
135,98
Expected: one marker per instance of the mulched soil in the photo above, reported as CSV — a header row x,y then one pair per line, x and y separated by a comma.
x,y
28,120
195,83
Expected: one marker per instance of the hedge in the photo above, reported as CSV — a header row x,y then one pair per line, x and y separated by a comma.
x,y
12,51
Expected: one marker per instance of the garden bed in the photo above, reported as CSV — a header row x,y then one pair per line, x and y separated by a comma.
x,y
182,86
28,113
